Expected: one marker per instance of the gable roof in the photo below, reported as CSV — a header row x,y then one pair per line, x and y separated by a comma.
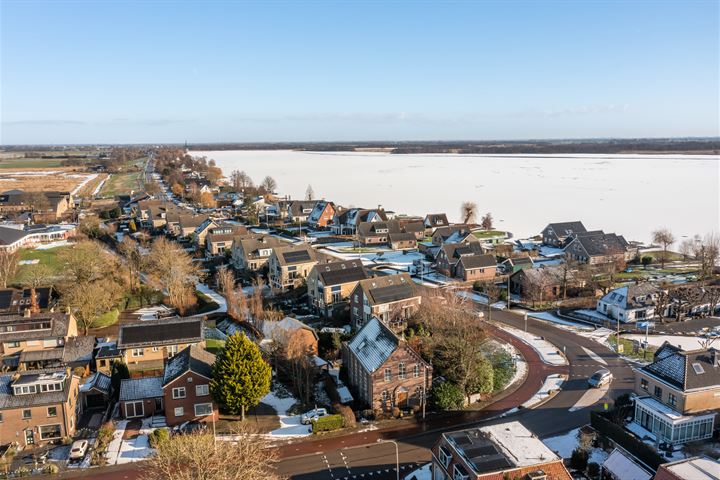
x,y
686,370
97,381
166,331
252,244
297,207
388,288
337,273
281,329
9,400
477,261
632,296
546,275
59,326
8,235
295,254
454,251
373,345
436,220
598,243
318,210
191,359
564,229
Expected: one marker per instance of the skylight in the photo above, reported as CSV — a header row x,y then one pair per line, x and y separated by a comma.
x,y
698,368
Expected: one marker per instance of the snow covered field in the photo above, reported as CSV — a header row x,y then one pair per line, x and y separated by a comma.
x,y
686,343
548,352
607,184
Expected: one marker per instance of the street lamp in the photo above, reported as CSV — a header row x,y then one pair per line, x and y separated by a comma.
x,y
397,455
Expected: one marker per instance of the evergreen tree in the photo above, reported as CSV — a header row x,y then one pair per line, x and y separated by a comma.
x,y
241,377
118,372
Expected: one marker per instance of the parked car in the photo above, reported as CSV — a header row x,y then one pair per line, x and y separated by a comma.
x,y
190,427
312,415
600,378
78,449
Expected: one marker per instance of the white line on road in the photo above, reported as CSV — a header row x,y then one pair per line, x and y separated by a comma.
x,y
594,356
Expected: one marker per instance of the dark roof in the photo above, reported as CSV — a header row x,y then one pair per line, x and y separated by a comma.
x,y
160,332
78,349
436,220
389,288
686,370
141,388
402,237
477,261
564,229
15,300
8,235
9,400
337,273
599,243
295,254
108,351
59,324
192,358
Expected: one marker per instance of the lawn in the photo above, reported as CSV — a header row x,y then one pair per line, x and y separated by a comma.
x,y
47,257
489,234
122,184
214,345
107,319
627,345
18,163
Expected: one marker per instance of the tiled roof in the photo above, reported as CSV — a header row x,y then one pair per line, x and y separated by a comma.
x,y
59,324
9,400
373,345
337,273
141,388
166,331
563,229
97,381
478,261
686,370
600,243
389,288
192,358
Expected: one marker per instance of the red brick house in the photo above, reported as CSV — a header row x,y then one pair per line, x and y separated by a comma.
x,y
495,452
322,214
186,387
466,261
384,371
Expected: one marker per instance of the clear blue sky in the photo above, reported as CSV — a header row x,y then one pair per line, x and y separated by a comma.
x,y
136,71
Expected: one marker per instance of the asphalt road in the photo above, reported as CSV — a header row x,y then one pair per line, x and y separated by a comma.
x,y
567,410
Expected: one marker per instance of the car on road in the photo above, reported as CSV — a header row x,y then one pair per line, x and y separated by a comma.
x,y
78,449
312,415
600,378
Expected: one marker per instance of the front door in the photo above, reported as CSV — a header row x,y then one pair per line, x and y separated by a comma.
x,y
158,405
29,437
401,397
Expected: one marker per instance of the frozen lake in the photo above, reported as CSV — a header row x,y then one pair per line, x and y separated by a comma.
x,y
626,194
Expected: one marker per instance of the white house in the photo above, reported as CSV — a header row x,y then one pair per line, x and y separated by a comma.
x,y
629,303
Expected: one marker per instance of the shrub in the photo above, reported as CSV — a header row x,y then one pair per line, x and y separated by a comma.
x,y
448,396
51,469
328,423
478,285
158,436
593,470
347,414
579,459
396,412
22,472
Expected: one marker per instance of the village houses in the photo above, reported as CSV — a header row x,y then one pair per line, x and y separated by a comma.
x,y
330,285
391,298
289,266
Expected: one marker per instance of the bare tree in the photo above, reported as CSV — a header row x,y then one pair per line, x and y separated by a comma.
x,y
134,260
492,292
468,211
89,300
665,238
487,221
85,261
309,193
269,184
298,355
8,265
199,457
34,277
240,180
152,188
686,248
226,282
175,271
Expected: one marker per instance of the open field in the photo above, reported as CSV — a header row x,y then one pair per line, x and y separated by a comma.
x,y
122,183
17,163
47,257
43,179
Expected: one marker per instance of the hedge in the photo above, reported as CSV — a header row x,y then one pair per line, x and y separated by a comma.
x,y
644,452
328,423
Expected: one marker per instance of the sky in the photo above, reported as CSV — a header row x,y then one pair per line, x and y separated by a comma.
x,y
233,71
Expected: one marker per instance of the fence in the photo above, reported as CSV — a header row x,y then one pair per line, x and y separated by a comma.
x,y
644,452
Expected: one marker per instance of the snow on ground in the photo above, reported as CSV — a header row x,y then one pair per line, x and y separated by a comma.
x,y
101,185
290,426
587,179
686,343
87,178
552,384
564,445
132,450
59,243
518,360
393,258
547,351
551,317
212,294
422,473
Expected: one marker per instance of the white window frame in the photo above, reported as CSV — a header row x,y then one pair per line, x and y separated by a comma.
x,y
181,411
40,432
138,352
202,390
176,393
209,405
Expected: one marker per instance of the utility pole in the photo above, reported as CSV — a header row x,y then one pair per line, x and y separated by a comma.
x,y
525,322
508,292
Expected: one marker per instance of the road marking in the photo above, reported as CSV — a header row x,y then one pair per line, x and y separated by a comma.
x,y
594,355
590,398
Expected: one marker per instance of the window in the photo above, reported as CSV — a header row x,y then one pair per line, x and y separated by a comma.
x,y
401,370
459,473
26,414
643,384
388,375
203,409
172,350
356,298
178,392
48,432
179,411
416,371
0,417
13,344
103,363
52,411
202,390
155,349
672,400
189,379
445,456
138,352
385,396
658,392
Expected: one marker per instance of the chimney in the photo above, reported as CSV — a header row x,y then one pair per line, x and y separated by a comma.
x,y
27,313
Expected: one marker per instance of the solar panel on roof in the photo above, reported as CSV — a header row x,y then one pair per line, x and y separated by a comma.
x,y
491,464
391,293
5,299
293,257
